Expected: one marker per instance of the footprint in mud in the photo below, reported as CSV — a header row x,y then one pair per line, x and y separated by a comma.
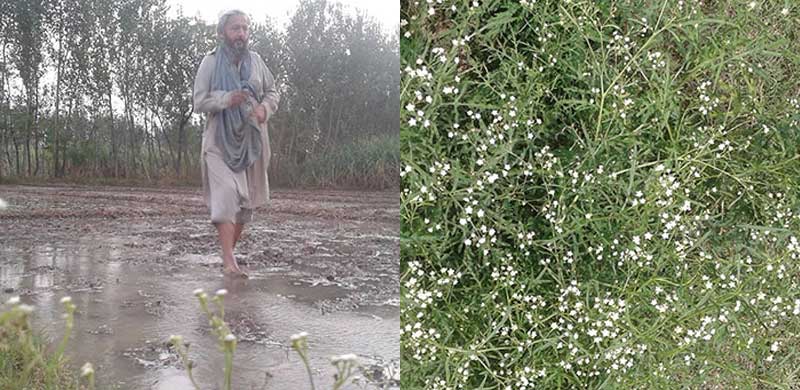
x,y
101,330
154,355
248,330
380,373
83,285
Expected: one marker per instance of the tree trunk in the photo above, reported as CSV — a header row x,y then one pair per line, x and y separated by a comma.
x,y
28,151
61,169
59,68
182,141
113,136
36,132
96,147
132,149
16,154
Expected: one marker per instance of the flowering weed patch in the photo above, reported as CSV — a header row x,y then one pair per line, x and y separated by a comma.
x,y
25,362
600,194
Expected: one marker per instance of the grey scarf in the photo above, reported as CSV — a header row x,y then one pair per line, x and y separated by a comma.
x,y
238,135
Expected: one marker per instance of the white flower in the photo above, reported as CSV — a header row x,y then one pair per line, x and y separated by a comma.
x,y
347,358
28,309
66,300
13,301
3,204
752,5
785,12
198,292
230,337
87,369
222,292
347,52
299,336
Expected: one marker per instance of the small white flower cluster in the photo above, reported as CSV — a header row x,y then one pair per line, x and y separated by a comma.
x,y
406,170
421,340
551,211
645,27
423,194
505,275
437,383
526,378
638,254
781,213
704,332
482,238
621,45
669,302
404,24
795,103
707,104
657,60
593,337
794,248
547,160
439,53
620,93
422,73
525,239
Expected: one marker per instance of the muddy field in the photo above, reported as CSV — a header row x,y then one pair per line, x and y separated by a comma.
x,y
324,262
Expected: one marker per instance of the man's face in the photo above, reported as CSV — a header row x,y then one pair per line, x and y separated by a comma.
x,y
237,32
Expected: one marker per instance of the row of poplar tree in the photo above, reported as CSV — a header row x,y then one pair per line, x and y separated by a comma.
x,y
103,88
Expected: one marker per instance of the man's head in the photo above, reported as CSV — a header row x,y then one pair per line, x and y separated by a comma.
x,y
234,29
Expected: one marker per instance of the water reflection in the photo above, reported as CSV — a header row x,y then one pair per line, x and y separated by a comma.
x,y
126,312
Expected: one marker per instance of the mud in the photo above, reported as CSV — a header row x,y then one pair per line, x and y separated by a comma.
x,y
324,262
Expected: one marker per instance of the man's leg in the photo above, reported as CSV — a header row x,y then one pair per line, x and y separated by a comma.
x,y
237,232
226,232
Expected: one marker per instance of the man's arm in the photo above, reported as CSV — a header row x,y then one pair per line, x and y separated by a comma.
x,y
206,100
271,96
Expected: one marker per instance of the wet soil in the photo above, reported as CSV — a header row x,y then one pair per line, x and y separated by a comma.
x,y
324,262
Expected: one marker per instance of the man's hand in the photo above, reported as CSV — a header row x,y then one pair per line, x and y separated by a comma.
x,y
261,113
237,98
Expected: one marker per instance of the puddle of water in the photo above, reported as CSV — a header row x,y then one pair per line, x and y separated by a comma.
x,y
126,312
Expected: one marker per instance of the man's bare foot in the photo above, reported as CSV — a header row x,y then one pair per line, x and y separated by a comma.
x,y
235,272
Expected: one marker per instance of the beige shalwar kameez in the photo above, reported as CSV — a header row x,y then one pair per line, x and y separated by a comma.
x,y
230,196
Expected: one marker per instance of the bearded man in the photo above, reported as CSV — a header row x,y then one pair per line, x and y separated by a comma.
x,y
236,91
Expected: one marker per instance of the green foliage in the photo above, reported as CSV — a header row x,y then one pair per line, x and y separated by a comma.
x,y
24,361
121,82
600,194
369,163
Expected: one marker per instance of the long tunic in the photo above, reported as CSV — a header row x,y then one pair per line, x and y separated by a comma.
x,y
231,196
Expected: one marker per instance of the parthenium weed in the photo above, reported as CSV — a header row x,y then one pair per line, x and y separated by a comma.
x,y
345,364
599,194
24,364
24,361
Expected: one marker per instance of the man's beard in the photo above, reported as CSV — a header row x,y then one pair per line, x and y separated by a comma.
x,y
237,47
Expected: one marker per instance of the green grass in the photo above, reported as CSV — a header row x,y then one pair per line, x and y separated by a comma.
x,y
371,163
600,195
25,362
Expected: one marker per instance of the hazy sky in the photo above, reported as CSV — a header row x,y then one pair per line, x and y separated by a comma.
x,y
387,12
